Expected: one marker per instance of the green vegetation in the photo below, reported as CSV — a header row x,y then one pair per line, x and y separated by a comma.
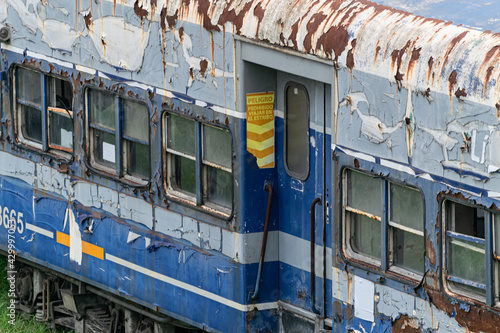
x,y
20,324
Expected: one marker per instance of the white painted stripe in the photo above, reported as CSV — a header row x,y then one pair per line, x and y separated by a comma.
x,y
164,92
190,288
229,112
355,154
85,69
39,230
296,252
49,59
135,84
12,48
397,166
200,103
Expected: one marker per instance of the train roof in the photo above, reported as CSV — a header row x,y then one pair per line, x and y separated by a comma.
x,y
427,52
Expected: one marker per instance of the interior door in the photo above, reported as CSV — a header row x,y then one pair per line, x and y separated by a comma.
x,y
301,175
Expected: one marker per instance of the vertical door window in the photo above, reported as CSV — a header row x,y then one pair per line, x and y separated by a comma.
x,y
297,131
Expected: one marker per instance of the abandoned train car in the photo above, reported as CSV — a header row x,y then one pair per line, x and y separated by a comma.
x,y
253,165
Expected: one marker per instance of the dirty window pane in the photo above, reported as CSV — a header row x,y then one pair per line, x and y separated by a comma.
x,y
363,192
29,86
217,146
297,131
60,129
104,148
181,135
183,174
408,250
59,93
364,235
135,121
31,125
403,201
137,159
466,260
102,109
219,186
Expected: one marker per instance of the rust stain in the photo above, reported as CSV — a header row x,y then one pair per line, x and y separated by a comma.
x,y
430,252
377,52
406,324
350,55
477,319
451,46
88,21
312,27
460,93
229,15
497,105
452,80
140,11
203,67
487,79
333,42
429,69
203,10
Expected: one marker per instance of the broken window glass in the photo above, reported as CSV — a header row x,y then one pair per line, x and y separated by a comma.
x,y
465,248
58,134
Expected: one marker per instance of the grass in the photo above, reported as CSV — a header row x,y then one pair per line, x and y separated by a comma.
x,y
19,324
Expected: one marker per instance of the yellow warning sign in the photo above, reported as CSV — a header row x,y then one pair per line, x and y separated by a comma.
x,y
260,128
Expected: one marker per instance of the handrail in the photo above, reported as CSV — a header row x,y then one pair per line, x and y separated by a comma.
x,y
313,242
267,187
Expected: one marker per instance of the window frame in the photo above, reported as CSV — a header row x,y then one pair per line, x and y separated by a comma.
x,y
44,147
492,260
386,262
197,200
119,171
292,173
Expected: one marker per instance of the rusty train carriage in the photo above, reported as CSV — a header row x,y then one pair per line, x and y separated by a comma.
x,y
126,174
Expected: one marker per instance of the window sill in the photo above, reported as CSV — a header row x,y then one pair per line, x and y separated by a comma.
x,y
103,171
393,273
211,209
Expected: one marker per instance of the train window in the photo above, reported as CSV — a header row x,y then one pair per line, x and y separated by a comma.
x,y
119,136
44,111
363,213
218,181
297,131
366,221
181,154
465,248
195,149
406,230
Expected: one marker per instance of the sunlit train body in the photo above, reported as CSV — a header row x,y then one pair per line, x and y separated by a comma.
x,y
192,162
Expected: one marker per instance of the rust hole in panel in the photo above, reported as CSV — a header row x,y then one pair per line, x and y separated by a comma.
x,y
497,105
